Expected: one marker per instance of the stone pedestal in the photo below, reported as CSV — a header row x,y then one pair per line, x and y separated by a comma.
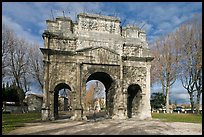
x,y
44,114
120,114
77,114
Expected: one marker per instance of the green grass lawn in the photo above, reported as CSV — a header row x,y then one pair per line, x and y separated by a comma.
x,y
12,121
174,117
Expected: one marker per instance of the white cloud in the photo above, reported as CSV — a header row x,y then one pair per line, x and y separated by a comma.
x,y
159,17
22,32
183,96
147,27
22,12
180,98
71,9
163,16
28,19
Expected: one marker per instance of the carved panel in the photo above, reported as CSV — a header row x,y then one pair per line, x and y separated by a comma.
x,y
100,25
136,75
132,51
102,56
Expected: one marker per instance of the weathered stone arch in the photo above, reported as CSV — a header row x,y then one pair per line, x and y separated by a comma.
x,y
71,57
52,87
94,70
53,97
99,71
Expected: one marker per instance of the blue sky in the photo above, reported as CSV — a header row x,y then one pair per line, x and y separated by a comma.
x,y
27,19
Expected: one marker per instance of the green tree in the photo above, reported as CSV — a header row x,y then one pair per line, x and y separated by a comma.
x,y
3,92
10,93
157,100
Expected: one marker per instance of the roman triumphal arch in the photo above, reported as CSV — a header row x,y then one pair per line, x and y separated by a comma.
x,y
96,47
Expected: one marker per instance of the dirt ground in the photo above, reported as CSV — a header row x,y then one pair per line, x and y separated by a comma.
x,y
109,127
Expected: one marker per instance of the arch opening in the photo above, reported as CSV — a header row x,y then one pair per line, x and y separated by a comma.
x,y
95,96
132,99
102,105
102,77
62,101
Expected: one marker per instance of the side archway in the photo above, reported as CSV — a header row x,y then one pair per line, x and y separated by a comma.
x,y
133,99
60,87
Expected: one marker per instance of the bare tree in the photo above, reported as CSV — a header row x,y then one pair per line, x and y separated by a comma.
x,y
36,65
18,60
156,67
180,53
190,41
21,61
197,30
7,41
166,62
89,98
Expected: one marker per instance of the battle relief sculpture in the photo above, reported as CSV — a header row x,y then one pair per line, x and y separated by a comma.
x,y
96,47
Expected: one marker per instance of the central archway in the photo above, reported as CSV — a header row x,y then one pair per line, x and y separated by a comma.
x,y
107,81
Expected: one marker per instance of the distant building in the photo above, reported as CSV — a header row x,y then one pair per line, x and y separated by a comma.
x,y
63,103
13,107
34,102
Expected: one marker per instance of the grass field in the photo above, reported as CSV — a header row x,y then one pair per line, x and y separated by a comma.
x,y
12,121
174,117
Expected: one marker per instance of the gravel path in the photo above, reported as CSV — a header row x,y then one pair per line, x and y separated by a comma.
x,y
109,127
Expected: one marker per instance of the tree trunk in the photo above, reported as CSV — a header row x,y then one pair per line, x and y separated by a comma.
x,y
192,102
163,90
167,99
198,102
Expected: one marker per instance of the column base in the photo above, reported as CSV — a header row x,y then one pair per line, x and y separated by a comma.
x,y
77,115
45,114
144,116
120,114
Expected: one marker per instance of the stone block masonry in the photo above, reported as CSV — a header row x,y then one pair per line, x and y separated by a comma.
x,y
96,47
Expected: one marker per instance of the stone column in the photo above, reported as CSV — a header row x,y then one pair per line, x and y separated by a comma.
x,y
120,112
77,102
118,102
46,104
148,92
83,94
125,103
51,105
145,102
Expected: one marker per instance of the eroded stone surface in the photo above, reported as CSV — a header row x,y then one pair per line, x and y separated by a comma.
x,y
75,52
